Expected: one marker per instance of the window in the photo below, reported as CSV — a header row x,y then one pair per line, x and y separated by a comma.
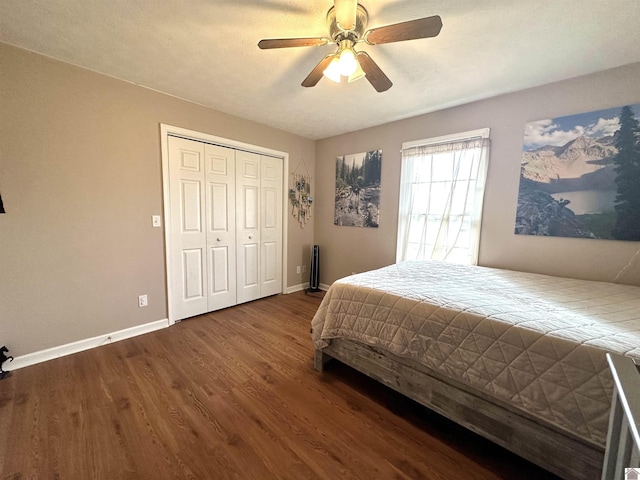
x,y
441,191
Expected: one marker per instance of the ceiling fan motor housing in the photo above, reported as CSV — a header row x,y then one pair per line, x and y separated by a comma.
x,y
355,34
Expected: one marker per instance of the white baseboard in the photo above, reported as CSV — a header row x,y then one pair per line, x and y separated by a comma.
x,y
81,345
297,288
303,286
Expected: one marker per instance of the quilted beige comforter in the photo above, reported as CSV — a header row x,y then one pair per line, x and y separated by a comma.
x,y
536,341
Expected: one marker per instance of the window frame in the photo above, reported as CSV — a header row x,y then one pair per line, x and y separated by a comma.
x,y
482,172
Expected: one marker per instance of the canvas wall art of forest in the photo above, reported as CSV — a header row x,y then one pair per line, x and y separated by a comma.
x,y
358,189
580,176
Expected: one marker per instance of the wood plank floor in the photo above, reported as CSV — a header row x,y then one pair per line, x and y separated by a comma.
x,y
231,394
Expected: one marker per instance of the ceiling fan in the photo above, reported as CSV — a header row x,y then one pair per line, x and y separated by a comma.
x,y
347,21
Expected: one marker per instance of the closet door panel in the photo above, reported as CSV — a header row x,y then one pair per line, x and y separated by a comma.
x,y
250,254
192,274
250,205
271,226
270,266
248,225
188,236
220,273
221,226
190,207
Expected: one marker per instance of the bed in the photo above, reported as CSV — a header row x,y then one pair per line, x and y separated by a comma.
x,y
516,357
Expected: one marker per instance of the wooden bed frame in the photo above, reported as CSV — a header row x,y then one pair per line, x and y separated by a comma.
x,y
554,449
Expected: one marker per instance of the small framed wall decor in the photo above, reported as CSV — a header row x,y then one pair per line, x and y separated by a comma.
x,y
300,195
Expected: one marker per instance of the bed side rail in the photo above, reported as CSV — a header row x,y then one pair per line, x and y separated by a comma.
x,y
623,437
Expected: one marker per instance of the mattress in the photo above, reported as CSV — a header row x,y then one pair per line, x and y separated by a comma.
x,y
535,341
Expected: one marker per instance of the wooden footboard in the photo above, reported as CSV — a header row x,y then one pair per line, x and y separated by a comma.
x,y
546,445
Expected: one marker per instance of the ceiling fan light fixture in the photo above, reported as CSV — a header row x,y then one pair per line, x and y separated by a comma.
x,y
357,75
344,64
332,72
348,63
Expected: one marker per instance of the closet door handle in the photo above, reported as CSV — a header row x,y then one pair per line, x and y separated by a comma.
x,y
250,237
218,239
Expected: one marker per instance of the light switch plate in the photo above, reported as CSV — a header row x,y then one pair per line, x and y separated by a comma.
x,y
155,221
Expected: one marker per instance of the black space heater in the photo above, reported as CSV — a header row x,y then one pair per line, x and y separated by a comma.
x,y
314,276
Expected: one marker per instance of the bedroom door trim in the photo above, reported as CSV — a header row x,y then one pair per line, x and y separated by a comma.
x,y
169,130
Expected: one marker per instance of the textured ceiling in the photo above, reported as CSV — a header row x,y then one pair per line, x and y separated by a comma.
x,y
205,51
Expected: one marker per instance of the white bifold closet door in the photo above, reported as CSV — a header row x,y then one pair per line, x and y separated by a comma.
x,y
226,227
259,225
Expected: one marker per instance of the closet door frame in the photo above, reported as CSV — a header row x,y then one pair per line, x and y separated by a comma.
x,y
168,130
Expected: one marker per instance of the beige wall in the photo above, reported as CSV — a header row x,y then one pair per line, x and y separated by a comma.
x,y
80,176
352,249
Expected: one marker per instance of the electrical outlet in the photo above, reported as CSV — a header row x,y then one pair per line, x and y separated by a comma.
x,y
298,269
304,268
143,301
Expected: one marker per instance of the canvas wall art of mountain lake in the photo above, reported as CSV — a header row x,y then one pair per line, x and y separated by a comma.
x,y
580,176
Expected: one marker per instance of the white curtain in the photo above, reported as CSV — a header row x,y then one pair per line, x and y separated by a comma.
x,y
441,193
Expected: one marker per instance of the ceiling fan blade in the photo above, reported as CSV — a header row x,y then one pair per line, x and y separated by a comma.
x,y
316,74
374,74
346,13
292,42
398,32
